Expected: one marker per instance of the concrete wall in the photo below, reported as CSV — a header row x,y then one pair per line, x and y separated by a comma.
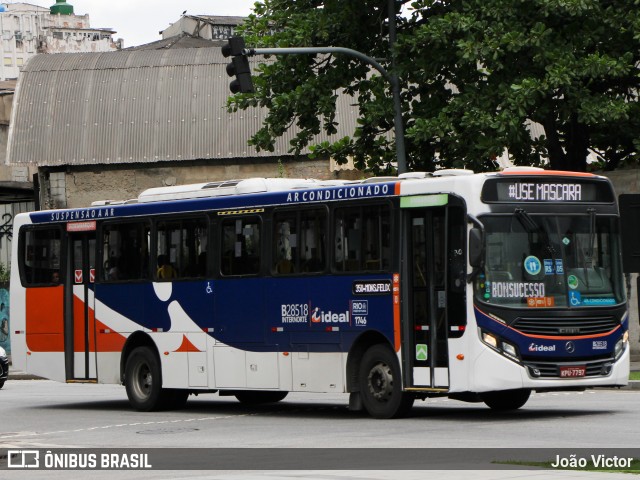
x,y
74,188
15,174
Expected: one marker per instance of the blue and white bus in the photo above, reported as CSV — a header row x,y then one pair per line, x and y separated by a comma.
x,y
479,287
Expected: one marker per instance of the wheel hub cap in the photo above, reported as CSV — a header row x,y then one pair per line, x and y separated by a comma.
x,y
380,382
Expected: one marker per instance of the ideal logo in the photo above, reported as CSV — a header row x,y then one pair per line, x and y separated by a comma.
x,y
542,348
319,316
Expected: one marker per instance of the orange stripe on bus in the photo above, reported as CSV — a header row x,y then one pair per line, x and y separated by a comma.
x,y
45,319
187,346
577,337
396,311
109,342
560,173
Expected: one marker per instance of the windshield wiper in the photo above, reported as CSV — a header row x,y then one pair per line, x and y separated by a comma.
x,y
527,222
531,227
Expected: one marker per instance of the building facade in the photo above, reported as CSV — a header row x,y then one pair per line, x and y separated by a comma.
x,y
30,29
207,27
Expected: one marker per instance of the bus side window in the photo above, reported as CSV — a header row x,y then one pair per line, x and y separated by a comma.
x,y
126,251
362,240
240,246
285,243
299,239
313,238
181,249
40,262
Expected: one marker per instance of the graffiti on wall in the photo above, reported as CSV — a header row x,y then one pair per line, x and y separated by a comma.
x,y
6,228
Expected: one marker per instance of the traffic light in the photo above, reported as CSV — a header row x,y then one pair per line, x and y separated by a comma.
x,y
239,66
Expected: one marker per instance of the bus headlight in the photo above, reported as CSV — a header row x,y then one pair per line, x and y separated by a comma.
x,y
509,349
490,340
495,342
621,344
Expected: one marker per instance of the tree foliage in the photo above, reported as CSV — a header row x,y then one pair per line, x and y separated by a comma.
x,y
475,75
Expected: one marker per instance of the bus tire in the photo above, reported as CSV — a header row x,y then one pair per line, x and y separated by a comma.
x,y
505,400
380,384
252,397
1,383
143,381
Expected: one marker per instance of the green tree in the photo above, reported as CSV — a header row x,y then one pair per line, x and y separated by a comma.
x,y
475,75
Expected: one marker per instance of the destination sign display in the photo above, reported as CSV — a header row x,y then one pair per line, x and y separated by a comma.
x,y
543,190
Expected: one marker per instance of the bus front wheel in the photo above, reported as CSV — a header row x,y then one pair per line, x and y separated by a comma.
x,y
380,384
506,400
143,380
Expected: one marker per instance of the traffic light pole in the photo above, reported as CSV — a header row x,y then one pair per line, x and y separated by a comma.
x,y
392,79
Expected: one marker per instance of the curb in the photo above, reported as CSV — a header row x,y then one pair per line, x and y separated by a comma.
x,y
633,385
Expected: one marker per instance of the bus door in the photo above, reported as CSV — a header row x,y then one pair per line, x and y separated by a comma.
x,y
435,269
80,334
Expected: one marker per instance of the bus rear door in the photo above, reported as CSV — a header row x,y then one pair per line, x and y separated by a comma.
x,y
80,334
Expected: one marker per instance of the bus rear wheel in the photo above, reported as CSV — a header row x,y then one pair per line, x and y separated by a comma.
x,y
380,384
143,382
505,400
252,397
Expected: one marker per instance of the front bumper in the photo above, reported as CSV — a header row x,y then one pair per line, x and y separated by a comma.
x,y
496,372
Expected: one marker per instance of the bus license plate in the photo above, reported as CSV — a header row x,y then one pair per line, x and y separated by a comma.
x,y
573,371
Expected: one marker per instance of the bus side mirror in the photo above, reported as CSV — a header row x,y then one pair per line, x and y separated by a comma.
x,y
476,248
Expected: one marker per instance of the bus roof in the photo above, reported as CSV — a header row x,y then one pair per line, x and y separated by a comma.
x,y
257,192
233,187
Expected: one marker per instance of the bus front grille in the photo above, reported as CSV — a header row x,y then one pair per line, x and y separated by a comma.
x,y
565,327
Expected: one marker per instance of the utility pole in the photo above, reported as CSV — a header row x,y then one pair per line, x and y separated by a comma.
x,y
395,85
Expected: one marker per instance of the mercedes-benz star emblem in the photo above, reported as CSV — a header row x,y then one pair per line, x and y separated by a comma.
x,y
570,347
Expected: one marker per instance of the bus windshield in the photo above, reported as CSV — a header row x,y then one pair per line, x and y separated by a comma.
x,y
546,261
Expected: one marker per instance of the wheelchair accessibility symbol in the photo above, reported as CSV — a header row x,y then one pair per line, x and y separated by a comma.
x,y
575,298
209,289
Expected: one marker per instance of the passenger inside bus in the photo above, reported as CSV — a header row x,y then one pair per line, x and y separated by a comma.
x,y
112,269
165,269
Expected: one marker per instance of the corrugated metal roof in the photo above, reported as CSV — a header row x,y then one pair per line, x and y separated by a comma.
x,y
134,107
182,40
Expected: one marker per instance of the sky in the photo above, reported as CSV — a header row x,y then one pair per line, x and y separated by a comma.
x,y
139,21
